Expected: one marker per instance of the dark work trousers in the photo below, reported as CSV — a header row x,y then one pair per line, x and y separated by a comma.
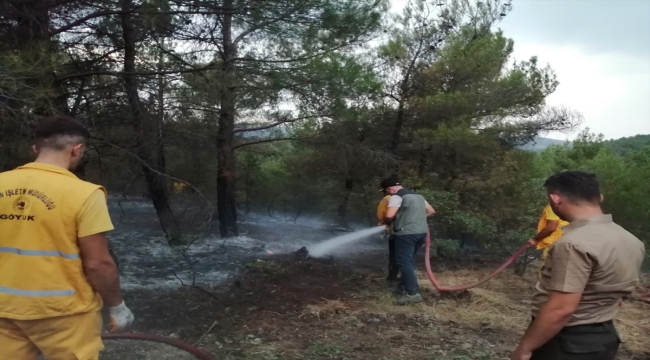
x,y
393,269
406,247
581,342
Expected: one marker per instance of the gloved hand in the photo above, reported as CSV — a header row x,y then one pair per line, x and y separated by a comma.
x,y
121,317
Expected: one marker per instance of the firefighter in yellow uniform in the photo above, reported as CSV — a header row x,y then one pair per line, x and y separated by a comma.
x,y
393,270
549,230
56,272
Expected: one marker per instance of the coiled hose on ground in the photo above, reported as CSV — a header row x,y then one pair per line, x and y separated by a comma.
x,y
432,278
200,354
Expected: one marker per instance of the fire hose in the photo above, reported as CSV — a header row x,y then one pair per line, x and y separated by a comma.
x,y
200,354
436,284
432,278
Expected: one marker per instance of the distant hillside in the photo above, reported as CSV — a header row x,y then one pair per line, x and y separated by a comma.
x,y
620,146
541,143
625,145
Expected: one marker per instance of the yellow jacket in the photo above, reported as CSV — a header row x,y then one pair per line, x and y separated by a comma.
x,y
548,214
381,211
41,274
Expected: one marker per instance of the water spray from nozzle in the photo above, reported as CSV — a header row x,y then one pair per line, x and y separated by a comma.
x,y
326,247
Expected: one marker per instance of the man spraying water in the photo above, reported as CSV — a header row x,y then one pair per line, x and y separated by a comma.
x,y
407,216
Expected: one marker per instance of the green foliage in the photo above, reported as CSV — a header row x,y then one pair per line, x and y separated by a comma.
x,y
458,151
472,83
447,247
624,180
480,189
273,183
440,101
625,145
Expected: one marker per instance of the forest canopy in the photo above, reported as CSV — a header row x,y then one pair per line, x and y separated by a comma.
x,y
300,107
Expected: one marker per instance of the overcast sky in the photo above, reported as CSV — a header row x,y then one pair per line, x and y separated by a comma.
x,y
600,51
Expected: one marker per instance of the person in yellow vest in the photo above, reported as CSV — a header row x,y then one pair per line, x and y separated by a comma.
x,y
56,272
393,269
549,230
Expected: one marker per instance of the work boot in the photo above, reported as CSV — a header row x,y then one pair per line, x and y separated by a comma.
x,y
408,299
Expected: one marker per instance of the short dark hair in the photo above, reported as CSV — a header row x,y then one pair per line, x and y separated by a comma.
x,y
60,131
576,185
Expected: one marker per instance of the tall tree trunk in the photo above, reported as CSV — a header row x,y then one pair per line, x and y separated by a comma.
x,y
159,143
403,98
397,129
342,210
146,139
226,168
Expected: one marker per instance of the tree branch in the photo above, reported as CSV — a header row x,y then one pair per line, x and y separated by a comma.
x,y
145,73
288,121
83,20
138,159
264,127
264,141
264,24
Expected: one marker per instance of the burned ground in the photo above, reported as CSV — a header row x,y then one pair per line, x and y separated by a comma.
x,y
254,300
287,308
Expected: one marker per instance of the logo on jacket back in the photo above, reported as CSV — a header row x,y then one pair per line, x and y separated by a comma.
x,y
21,204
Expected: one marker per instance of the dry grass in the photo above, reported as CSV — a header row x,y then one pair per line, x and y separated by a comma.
x,y
496,305
326,308
633,324
486,324
503,304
